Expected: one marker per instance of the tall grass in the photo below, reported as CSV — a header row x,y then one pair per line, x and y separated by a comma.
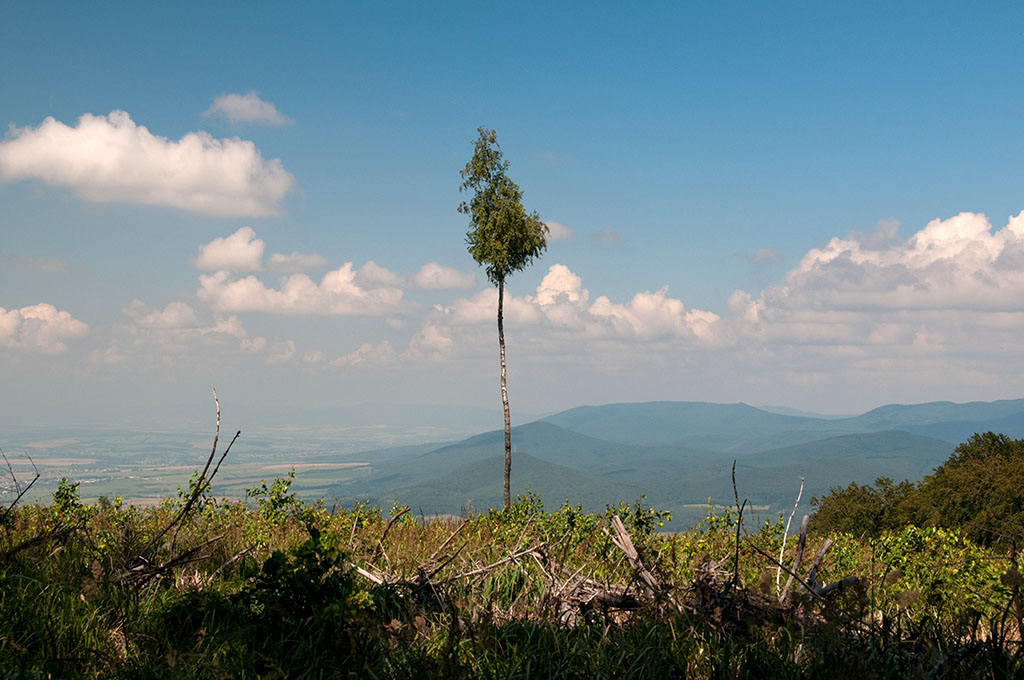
x,y
290,590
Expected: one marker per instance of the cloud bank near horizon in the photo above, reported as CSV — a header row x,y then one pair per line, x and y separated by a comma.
x,y
942,304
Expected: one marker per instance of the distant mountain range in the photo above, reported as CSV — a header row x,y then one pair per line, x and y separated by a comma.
x,y
680,454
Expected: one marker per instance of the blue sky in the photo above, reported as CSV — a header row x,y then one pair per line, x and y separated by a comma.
x,y
803,204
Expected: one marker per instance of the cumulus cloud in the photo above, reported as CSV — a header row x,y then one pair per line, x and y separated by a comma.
x,y
945,301
39,328
372,275
368,354
648,315
562,303
178,333
560,282
247,108
111,159
433,276
339,293
483,308
296,262
241,251
433,342
957,263
176,315
559,232
280,352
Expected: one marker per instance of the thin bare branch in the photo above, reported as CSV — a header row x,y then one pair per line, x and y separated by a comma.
x,y
380,542
785,535
200,486
812,575
483,570
801,544
447,541
239,555
17,486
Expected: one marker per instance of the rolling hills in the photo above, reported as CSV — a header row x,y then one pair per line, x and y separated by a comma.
x,y
680,454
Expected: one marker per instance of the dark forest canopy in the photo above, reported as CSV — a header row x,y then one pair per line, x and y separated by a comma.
x,y
979,489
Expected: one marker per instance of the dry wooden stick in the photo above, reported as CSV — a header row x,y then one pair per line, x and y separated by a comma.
x,y
792,573
801,544
624,543
812,576
445,563
368,575
355,523
143,573
447,541
785,535
483,570
37,540
380,542
200,485
239,555
203,486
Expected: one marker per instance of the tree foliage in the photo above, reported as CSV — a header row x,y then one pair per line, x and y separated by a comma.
x,y
863,509
502,236
979,490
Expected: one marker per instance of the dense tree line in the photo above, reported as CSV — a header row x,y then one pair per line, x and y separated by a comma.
x,y
979,490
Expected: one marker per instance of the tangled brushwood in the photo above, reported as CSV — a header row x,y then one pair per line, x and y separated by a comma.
x,y
278,588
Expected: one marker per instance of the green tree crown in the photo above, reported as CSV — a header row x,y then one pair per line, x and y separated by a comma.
x,y
502,235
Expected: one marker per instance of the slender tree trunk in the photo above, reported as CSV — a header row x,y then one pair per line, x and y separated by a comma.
x,y
504,400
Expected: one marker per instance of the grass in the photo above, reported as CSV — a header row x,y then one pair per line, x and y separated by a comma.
x,y
279,594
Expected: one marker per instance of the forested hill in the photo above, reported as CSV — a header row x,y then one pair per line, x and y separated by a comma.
x,y
680,454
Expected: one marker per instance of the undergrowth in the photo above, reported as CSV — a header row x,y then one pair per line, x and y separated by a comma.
x,y
294,590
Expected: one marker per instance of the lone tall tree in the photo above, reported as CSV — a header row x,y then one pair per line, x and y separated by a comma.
x,y
502,236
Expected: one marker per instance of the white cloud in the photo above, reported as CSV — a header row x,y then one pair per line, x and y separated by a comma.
x,y
296,262
433,342
338,293
647,316
111,159
241,251
368,354
433,276
280,352
179,334
483,308
940,308
953,264
372,275
176,315
247,108
39,328
563,303
559,232
560,282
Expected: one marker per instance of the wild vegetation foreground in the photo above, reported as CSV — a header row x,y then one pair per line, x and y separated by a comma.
x,y
282,589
